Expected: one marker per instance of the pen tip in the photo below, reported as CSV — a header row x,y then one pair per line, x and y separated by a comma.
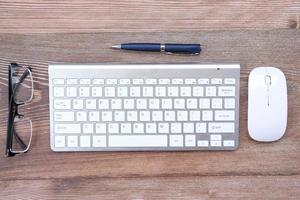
x,y
116,46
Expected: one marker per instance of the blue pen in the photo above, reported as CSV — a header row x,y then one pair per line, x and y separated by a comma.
x,y
167,48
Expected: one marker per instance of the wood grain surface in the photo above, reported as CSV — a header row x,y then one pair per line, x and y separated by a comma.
x,y
254,171
44,16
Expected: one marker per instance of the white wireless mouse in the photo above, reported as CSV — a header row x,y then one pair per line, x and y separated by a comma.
x,y
267,104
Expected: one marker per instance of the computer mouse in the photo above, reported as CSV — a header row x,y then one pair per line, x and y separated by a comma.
x,y
267,104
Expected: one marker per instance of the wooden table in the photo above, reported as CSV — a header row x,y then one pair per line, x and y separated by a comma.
x,y
252,33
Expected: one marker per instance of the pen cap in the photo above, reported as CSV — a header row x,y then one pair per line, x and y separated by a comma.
x,y
183,48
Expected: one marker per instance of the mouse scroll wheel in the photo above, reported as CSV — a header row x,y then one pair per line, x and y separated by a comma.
x,y
268,80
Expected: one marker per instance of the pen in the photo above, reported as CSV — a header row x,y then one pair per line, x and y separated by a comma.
x,y
168,48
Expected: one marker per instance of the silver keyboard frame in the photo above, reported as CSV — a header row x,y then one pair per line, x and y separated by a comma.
x,y
107,71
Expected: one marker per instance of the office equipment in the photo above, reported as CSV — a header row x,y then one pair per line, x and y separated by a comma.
x,y
267,104
144,107
20,93
168,48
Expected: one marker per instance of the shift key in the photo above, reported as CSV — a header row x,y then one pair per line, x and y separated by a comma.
x,y
221,127
67,128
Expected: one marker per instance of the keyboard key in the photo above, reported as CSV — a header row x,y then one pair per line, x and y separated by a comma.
x,y
229,103
190,81
207,115
87,128
151,81
203,81
58,81
195,115
67,128
192,104
190,140
138,140
173,91
90,104
215,143
151,128
226,91
132,116
200,127
144,116
138,128
85,141
215,137
98,81
164,81
135,91
177,81
84,81
141,103
185,91
148,91
221,127
101,128
78,104
72,81
113,128
84,91
176,140
62,104
163,128
182,115
72,141
137,81
116,104
81,116
157,116
109,92
119,116
211,91
59,91
71,91
224,115
106,116
96,91
216,103
124,81
202,143
103,104
198,91
216,81
111,81
166,104
229,81
204,103
160,91
128,104
63,116
176,128
122,91
59,141
188,127
99,141
94,116
154,103
126,128
179,103
228,143
169,115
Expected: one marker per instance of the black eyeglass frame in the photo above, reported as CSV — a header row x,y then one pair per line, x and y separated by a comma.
x,y
13,113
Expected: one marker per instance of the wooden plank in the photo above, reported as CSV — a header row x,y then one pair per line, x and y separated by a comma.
x,y
215,187
34,16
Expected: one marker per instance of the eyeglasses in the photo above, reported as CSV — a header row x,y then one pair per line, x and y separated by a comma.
x,y
20,93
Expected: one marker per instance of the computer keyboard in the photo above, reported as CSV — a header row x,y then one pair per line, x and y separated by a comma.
x,y
144,107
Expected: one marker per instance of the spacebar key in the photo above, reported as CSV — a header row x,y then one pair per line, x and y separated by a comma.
x,y
138,140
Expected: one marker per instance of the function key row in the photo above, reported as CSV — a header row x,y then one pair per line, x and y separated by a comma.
x,y
163,81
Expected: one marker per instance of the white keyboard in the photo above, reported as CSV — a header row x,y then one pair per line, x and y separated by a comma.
x,y
144,107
